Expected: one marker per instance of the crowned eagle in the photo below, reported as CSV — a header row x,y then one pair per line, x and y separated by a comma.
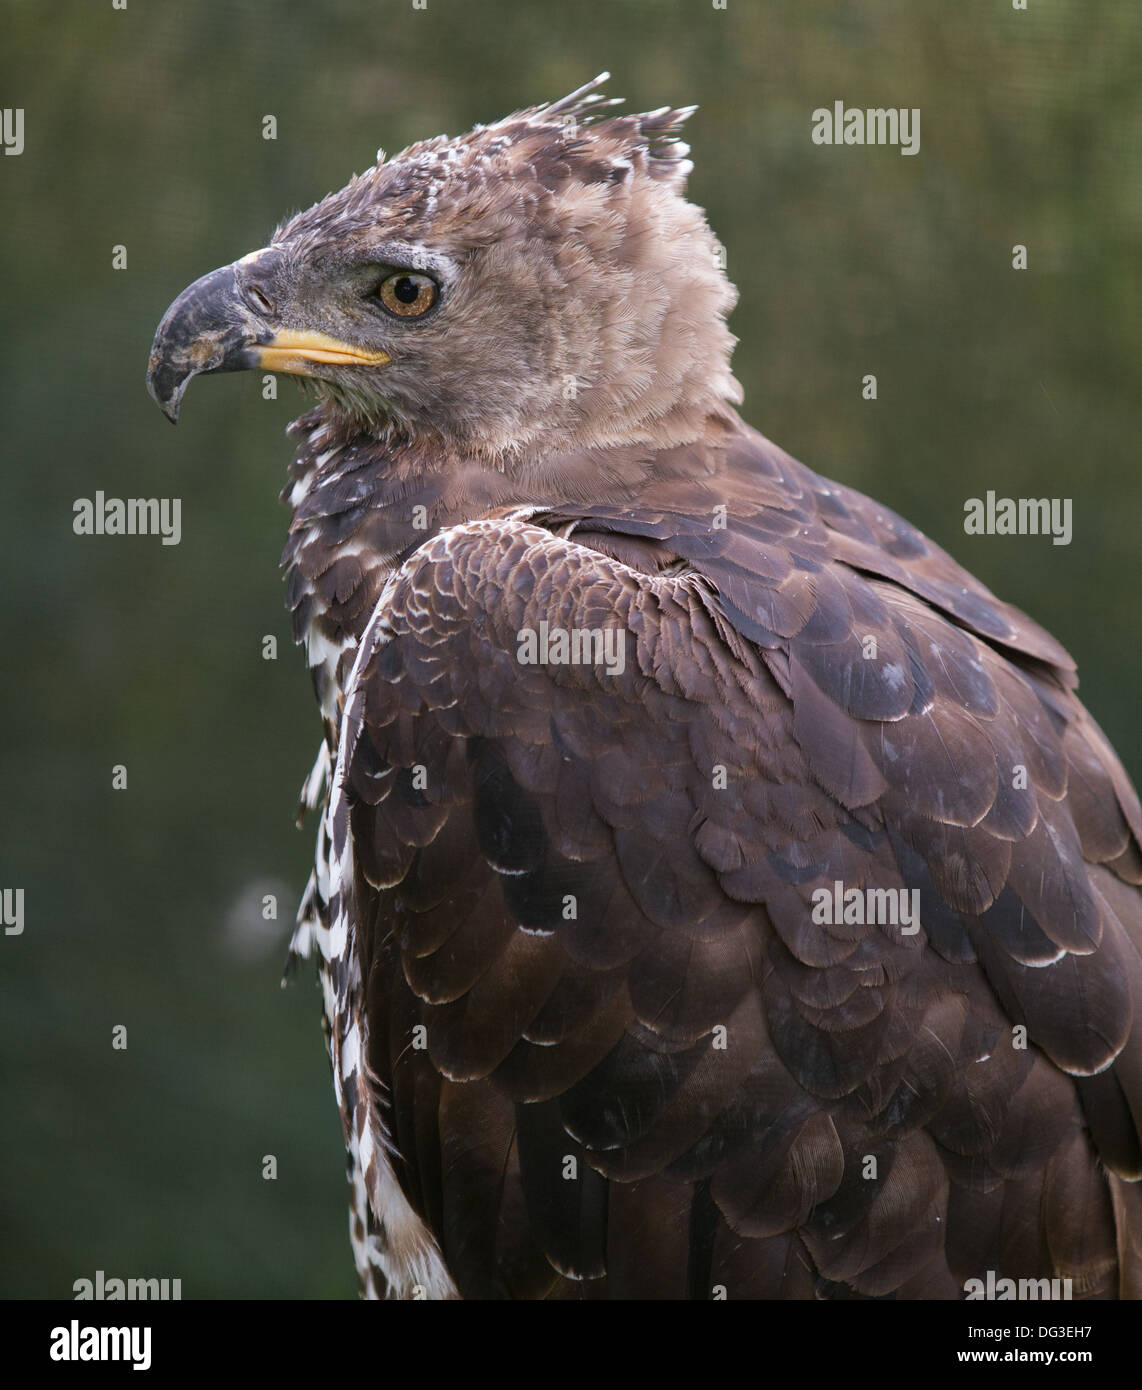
x,y
642,741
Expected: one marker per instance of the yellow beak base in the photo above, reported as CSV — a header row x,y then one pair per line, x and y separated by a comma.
x,y
291,351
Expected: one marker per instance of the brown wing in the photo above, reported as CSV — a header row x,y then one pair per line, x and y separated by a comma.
x,y
619,1057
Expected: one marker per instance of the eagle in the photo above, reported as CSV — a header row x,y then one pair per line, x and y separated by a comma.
x,y
718,892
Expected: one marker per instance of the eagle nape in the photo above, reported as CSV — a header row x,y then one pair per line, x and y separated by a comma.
x,y
718,891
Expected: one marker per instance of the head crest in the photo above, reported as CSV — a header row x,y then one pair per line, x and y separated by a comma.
x,y
577,134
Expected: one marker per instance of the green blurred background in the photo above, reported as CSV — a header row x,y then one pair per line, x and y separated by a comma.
x,y
144,128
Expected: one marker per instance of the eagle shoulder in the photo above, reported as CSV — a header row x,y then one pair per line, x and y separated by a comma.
x,y
580,897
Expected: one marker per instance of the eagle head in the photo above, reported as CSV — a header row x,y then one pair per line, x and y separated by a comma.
x,y
537,284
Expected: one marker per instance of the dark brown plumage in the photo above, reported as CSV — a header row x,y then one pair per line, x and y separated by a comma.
x,y
587,1037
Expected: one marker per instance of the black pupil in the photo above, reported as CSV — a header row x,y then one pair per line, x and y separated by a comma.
x,y
406,290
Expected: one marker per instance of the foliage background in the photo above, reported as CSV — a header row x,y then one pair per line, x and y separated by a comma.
x,y
143,127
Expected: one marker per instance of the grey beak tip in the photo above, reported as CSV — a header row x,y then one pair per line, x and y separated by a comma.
x,y
170,408
165,388
207,329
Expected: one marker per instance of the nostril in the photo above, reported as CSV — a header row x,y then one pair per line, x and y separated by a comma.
x,y
259,299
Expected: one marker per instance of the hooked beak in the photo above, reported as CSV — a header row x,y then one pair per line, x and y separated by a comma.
x,y
219,325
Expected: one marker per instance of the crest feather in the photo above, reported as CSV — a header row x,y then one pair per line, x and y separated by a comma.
x,y
651,138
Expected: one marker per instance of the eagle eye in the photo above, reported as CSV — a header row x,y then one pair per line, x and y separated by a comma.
x,y
408,294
